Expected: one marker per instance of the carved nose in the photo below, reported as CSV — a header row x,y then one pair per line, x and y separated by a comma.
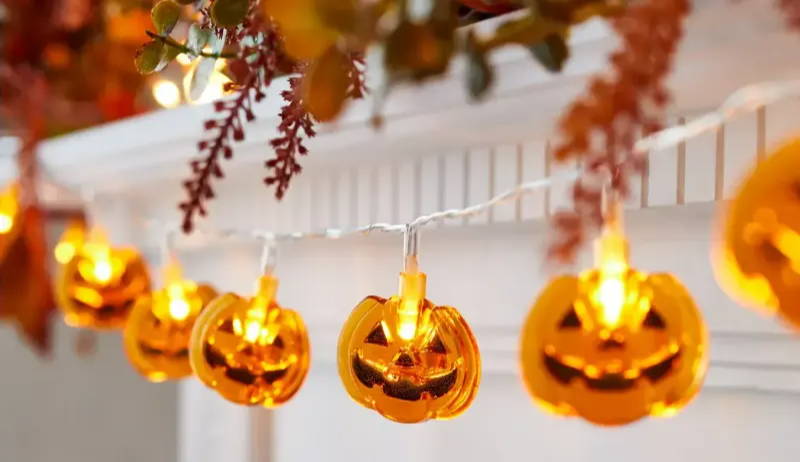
x,y
612,344
404,360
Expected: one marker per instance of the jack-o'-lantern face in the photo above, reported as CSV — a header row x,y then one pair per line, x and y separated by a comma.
x,y
159,328
757,257
407,358
613,348
99,285
250,350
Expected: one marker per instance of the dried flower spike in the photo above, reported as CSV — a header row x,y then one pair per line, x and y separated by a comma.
x,y
600,127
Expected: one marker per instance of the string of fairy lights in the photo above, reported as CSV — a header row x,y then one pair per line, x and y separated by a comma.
x,y
611,345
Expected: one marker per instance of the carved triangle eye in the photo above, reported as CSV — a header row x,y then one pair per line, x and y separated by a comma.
x,y
436,345
377,336
654,320
570,320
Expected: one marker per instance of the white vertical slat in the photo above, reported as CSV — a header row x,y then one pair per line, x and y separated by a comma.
x,y
384,194
406,196
741,145
479,181
560,193
455,185
780,123
533,168
322,200
700,155
429,185
302,206
505,177
663,176
333,200
364,196
343,193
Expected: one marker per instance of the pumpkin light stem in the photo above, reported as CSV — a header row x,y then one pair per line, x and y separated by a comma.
x,y
611,259
412,286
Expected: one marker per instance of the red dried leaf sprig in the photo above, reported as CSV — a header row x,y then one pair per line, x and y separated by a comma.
x,y
229,128
295,123
601,126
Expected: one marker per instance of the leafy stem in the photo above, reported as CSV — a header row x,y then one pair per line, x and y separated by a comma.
x,y
169,41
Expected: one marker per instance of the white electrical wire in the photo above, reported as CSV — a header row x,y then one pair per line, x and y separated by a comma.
x,y
743,100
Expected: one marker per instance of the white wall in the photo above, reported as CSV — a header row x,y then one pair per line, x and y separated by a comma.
x,y
69,408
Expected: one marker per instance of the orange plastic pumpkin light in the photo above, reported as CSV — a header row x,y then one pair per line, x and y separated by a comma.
x,y
9,216
250,350
757,252
407,358
614,344
159,327
99,285
71,241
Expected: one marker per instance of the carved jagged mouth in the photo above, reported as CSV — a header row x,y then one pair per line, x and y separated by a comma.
x,y
152,351
240,374
608,381
403,389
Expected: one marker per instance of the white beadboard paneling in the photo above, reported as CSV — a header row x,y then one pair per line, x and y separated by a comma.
x,y
533,168
506,176
700,167
455,180
479,183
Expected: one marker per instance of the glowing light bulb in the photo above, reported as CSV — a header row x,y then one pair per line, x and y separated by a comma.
x,y
8,208
252,331
611,294
102,271
611,298
166,93
412,292
179,308
6,223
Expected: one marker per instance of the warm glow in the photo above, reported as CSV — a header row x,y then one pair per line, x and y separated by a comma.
x,y
611,297
70,242
215,88
6,223
611,293
179,308
183,59
102,271
8,208
252,331
64,252
166,93
99,265
412,293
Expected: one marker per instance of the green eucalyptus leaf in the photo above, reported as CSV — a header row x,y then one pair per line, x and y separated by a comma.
x,y
197,38
229,13
552,52
151,57
165,15
200,75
